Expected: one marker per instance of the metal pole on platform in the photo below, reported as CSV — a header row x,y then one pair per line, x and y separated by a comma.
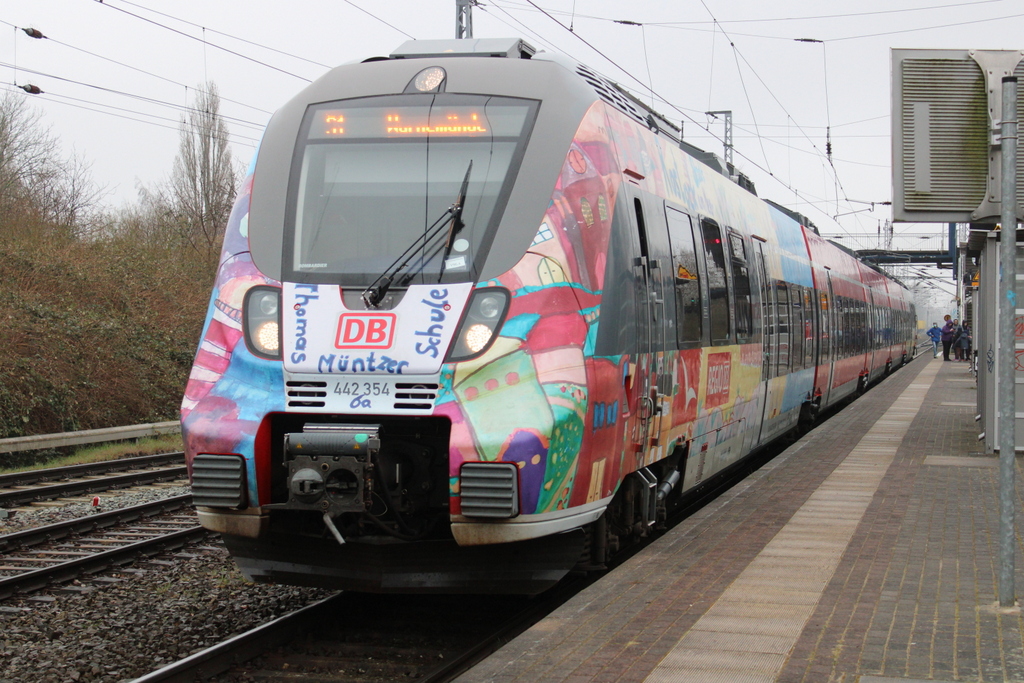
x,y
1007,339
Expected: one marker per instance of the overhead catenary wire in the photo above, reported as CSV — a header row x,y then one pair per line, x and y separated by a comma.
x,y
705,128
750,105
127,66
176,121
253,124
533,35
59,99
761,20
191,37
261,45
496,11
739,55
699,26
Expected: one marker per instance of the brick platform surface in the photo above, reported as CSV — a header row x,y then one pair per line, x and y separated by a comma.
x,y
909,594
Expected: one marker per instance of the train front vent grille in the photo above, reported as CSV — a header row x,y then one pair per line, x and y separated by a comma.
x,y
489,490
610,93
415,396
309,394
218,481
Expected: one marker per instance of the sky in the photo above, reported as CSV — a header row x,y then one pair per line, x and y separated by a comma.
x,y
117,75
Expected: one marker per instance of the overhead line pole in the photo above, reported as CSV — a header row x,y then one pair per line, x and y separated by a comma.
x,y
464,18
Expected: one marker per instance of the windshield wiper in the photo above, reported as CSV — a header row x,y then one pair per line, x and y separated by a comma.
x,y
456,225
374,294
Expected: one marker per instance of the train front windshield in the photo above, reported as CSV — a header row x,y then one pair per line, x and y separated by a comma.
x,y
372,176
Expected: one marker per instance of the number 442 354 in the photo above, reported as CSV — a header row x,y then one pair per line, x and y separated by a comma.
x,y
362,389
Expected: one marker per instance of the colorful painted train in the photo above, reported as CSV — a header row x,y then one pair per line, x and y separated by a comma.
x,y
481,316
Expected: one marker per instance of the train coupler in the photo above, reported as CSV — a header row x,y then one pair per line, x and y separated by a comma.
x,y
330,468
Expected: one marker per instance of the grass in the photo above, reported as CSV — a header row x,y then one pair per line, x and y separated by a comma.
x,y
165,443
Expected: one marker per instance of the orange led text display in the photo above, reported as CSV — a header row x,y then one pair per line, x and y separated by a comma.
x,y
400,125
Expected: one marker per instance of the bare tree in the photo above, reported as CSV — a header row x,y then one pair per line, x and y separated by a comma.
x,y
37,186
203,181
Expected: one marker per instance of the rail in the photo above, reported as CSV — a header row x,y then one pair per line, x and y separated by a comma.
x,y
84,525
78,487
88,436
221,657
62,572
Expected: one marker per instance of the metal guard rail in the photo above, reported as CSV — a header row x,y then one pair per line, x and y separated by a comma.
x,y
42,441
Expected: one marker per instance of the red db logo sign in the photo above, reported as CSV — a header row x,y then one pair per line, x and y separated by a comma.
x,y
365,331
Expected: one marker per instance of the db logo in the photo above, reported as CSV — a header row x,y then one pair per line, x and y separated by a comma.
x,y
365,331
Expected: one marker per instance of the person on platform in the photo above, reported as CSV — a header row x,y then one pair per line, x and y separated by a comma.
x,y
964,343
958,330
948,330
935,335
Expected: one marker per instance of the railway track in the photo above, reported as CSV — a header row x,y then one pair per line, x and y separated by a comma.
x,y
36,558
365,638
22,488
362,638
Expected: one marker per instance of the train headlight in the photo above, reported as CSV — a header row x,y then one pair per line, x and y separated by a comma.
x,y
491,306
485,312
268,337
261,312
429,80
477,337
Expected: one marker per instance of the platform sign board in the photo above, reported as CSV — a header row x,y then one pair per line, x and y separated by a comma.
x,y
946,110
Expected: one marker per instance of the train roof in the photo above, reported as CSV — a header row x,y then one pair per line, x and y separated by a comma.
x,y
576,84
608,90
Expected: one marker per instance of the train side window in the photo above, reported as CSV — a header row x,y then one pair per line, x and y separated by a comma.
x,y
718,281
826,318
770,331
687,286
796,336
841,324
741,287
782,325
862,325
877,324
857,327
809,331
844,326
641,225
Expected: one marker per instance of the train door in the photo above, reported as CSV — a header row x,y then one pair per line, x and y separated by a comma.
x,y
663,320
828,327
642,385
690,312
767,331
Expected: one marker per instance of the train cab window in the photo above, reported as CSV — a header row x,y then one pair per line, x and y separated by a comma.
x,y
391,167
687,286
782,327
718,281
741,288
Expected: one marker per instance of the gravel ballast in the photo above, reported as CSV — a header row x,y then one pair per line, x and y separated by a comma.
x,y
122,624
31,516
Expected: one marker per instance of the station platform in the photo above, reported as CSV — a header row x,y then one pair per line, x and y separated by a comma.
x,y
867,552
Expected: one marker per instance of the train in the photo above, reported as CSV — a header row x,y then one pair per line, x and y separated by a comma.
x,y
481,317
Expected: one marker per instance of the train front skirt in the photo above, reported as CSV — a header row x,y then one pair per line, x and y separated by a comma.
x,y
385,565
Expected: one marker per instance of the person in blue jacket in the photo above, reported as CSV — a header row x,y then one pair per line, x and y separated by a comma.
x,y
935,334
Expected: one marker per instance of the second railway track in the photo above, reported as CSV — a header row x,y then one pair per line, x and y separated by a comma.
x,y
43,556
21,488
